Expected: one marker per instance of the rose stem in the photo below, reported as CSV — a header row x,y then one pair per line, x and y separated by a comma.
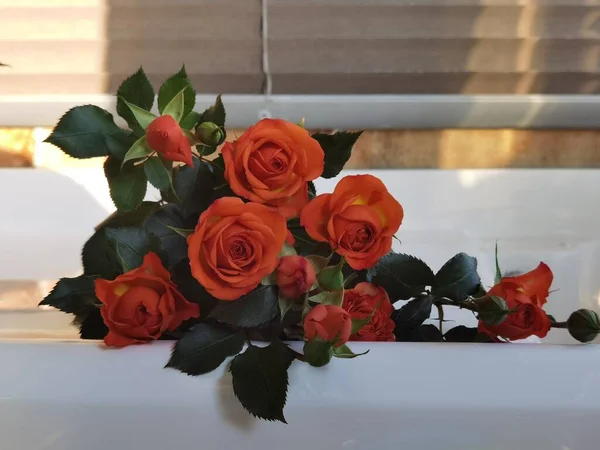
x,y
559,325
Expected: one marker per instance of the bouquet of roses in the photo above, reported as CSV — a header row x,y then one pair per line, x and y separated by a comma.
x,y
240,254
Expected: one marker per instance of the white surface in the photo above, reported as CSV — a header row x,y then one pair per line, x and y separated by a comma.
x,y
340,111
57,396
78,395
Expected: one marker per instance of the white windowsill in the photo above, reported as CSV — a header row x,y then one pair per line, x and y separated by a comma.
x,y
351,111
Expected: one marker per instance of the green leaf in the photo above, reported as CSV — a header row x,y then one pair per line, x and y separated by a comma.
x,y
93,326
329,298
190,121
331,278
402,276
344,352
130,218
205,150
158,173
131,244
215,114
424,333
99,257
164,224
318,352
461,334
357,324
260,379
498,275
139,149
318,262
89,131
175,107
128,189
136,90
204,348
194,186
312,190
284,305
412,314
457,279
492,310
173,86
191,289
142,117
337,148
255,309
73,295
287,250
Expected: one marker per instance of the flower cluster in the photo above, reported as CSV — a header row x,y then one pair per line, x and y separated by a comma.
x,y
241,249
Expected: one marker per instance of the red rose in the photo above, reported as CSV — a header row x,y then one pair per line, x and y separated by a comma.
x,y
328,322
140,305
527,294
358,220
295,276
360,302
165,136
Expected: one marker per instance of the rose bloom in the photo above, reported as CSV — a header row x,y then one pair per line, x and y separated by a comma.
x,y
234,246
527,294
366,299
329,323
271,163
140,305
295,276
165,136
358,220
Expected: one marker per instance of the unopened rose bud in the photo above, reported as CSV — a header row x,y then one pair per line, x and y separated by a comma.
x,y
329,323
317,352
210,134
492,310
164,135
295,276
584,325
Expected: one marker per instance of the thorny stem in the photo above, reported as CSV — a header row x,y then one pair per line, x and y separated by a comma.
x,y
465,304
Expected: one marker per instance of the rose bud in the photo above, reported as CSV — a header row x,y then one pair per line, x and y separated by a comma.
x,y
210,134
329,323
584,325
165,136
295,276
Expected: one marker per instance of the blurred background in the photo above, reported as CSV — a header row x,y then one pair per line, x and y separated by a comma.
x,y
436,84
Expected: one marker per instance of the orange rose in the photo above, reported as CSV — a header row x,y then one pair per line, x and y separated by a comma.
x,y
164,135
366,299
358,220
140,305
271,163
527,294
329,323
234,246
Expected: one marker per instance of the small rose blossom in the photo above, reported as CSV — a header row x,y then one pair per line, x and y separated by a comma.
x,y
525,295
295,276
165,136
329,323
367,300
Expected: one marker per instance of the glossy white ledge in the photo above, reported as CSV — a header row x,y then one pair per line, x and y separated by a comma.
x,y
75,396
